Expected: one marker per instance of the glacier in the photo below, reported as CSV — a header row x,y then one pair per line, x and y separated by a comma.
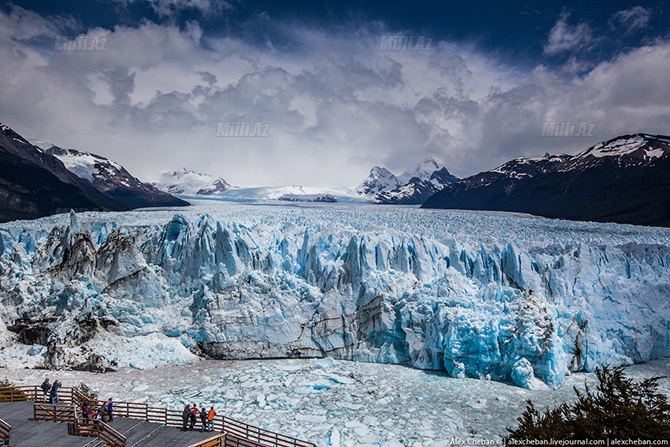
x,y
480,295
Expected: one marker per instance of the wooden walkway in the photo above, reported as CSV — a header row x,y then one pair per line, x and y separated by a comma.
x,y
29,433
38,424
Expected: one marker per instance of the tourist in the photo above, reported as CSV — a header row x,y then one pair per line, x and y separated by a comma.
x,y
210,419
102,412
85,411
110,408
203,418
191,416
185,416
46,387
54,392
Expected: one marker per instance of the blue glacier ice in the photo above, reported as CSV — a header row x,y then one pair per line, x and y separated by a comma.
x,y
498,297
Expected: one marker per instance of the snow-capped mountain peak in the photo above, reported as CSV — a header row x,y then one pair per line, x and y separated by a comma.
x,y
528,166
86,165
380,179
45,179
422,172
185,171
641,146
412,187
623,180
189,182
109,177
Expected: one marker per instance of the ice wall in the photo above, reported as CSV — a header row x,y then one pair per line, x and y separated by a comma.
x,y
102,294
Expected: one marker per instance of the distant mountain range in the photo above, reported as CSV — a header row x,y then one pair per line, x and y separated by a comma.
x,y
188,182
410,188
39,181
625,179
381,186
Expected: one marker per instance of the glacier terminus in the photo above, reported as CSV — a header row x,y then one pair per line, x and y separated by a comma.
x,y
493,296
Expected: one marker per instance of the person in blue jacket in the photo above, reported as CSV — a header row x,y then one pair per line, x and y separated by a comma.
x,y
110,408
54,392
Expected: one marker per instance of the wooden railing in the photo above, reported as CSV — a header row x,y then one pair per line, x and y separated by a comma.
x,y
5,433
112,437
214,441
84,427
68,413
100,430
173,418
18,393
54,412
226,440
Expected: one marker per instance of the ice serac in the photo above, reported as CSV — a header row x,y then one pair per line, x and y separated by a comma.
x,y
97,295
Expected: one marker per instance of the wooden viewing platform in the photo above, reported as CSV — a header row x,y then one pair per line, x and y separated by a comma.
x,y
27,421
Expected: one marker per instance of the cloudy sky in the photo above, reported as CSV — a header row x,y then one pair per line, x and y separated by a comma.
x,y
171,70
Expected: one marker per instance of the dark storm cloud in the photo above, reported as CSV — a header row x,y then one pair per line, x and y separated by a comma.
x,y
335,103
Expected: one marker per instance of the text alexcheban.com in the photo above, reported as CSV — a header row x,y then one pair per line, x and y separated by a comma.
x,y
587,442
557,442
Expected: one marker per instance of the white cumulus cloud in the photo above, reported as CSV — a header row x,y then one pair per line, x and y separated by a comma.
x,y
336,105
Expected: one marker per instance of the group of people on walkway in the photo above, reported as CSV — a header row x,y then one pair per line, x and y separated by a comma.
x,y
51,390
104,413
191,414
